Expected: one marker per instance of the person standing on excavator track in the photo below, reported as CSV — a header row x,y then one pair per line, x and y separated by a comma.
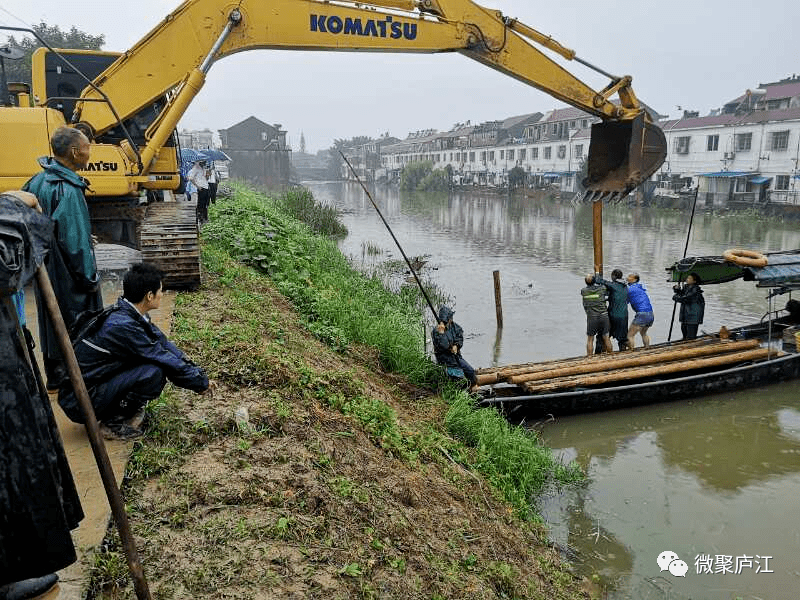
x,y
71,262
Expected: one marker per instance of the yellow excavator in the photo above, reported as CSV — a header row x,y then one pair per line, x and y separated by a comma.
x,y
129,104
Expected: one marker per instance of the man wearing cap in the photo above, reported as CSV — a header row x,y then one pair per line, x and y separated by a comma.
x,y
448,338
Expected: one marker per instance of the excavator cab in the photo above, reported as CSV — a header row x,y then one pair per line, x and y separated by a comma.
x,y
622,155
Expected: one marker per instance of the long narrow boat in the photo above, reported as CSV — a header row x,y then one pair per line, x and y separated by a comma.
x,y
754,355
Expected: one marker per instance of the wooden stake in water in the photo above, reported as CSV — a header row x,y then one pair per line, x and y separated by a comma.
x,y
498,302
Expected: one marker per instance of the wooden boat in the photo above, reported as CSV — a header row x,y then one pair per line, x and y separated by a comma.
x,y
758,354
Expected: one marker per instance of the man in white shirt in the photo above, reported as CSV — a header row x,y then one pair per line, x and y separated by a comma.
x,y
213,180
197,175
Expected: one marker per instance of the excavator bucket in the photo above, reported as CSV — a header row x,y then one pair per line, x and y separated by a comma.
x,y
623,154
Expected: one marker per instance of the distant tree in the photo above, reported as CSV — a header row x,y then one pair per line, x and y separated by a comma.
x,y
421,176
20,70
516,177
335,161
414,173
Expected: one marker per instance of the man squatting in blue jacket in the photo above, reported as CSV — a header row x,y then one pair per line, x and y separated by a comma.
x,y
127,361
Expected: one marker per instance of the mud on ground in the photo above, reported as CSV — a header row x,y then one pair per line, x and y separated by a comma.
x,y
309,497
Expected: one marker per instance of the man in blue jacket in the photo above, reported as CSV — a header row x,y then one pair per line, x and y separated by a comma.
x,y
643,319
127,360
71,262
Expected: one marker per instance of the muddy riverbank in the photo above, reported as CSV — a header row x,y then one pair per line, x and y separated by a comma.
x,y
313,472
713,476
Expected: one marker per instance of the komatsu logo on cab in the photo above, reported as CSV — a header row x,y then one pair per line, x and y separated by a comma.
x,y
101,165
383,28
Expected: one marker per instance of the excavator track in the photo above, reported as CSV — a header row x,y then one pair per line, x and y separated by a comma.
x,y
169,240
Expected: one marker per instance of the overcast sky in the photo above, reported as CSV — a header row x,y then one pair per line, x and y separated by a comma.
x,y
693,54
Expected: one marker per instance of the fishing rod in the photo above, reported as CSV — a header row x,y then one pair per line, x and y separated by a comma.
x,y
685,248
399,247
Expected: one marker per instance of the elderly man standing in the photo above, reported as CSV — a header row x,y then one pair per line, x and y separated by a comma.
x,y
71,262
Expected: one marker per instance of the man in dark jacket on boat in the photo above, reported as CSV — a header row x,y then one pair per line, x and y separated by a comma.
x,y
126,362
597,323
71,262
693,305
448,338
617,306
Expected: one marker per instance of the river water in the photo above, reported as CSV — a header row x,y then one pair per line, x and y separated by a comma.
x,y
713,480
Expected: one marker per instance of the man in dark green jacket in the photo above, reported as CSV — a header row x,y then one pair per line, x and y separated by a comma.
x,y
617,306
594,298
71,263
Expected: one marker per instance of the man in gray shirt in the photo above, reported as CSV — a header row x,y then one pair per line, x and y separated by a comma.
x,y
594,297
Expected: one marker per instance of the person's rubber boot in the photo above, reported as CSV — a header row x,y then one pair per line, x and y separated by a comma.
x,y
28,588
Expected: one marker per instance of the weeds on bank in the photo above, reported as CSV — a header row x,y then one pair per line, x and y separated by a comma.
x,y
342,306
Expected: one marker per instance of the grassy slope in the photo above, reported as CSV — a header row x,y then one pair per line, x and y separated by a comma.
x,y
345,481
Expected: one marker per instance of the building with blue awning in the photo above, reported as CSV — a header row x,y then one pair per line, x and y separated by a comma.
x,y
746,152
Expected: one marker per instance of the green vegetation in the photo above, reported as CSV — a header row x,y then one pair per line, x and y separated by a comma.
x,y
342,307
300,204
421,176
310,471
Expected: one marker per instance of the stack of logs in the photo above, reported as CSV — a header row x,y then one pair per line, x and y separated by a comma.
x,y
602,369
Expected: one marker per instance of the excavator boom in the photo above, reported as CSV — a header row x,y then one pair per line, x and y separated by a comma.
x,y
626,148
134,100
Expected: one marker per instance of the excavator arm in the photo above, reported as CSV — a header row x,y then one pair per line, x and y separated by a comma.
x,y
173,59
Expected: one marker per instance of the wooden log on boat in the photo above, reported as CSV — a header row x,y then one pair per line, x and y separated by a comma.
x,y
508,371
631,374
492,375
636,359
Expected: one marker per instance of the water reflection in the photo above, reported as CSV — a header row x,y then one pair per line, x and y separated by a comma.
x,y
543,248
718,476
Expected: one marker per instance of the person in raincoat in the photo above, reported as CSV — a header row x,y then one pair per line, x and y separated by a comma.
x,y
71,262
39,504
448,338
617,306
693,305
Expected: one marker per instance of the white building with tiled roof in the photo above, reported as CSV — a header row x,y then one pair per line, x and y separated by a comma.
x,y
748,154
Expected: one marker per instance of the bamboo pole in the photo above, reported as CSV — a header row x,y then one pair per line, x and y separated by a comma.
x,y
95,439
636,360
636,373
